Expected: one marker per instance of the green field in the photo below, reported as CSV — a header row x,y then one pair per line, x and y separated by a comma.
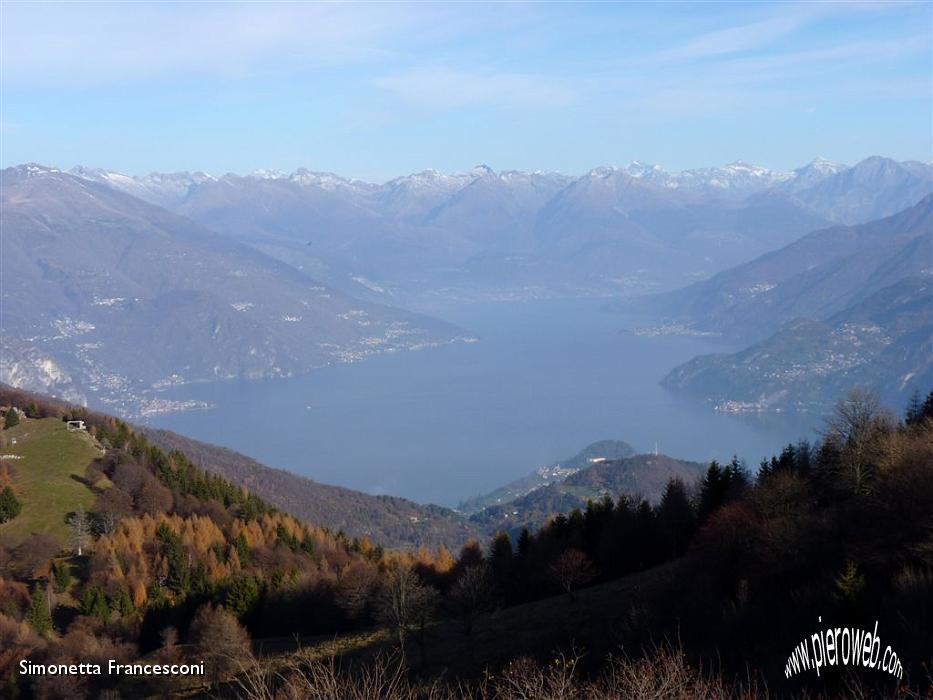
x,y
49,474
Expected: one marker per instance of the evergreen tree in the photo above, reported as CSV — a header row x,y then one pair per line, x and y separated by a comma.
x,y
94,604
501,564
524,543
10,506
914,410
120,602
11,418
918,410
61,576
39,615
675,519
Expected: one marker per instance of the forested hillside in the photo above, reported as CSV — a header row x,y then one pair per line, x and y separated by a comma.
x,y
170,563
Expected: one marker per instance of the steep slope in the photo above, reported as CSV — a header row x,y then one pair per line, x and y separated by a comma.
x,y
884,341
93,275
47,460
388,520
816,276
48,463
642,476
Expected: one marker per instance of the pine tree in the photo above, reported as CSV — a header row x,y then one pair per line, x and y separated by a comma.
x,y
11,418
39,616
10,506
849,585
61,576
94,604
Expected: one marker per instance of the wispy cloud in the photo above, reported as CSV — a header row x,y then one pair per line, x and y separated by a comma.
x,y
736,39
445,88
113,41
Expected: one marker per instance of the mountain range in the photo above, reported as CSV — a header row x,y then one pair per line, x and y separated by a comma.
x,y
273,274
487,234
109,297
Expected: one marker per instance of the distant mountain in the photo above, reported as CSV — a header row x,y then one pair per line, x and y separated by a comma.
x,y
610,223
884,341
874,188
108,296
483,234
543,476
819,275
163,189
642,476
736,179
810,175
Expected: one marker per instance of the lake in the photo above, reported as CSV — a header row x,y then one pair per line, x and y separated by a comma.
x,y
440,425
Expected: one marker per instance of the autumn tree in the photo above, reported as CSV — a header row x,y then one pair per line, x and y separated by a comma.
x,y
218,639
356,589
572,569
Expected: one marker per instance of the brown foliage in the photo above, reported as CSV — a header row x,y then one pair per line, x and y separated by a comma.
x,y
572,569
217,639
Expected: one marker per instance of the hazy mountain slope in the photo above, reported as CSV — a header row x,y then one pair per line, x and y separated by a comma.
x,y
871,189
122,296
483,234
818,275
640,475
386,520
163,189
543,476
884,341
609,224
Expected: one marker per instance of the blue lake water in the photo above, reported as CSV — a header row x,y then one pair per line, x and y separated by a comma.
x,y
439,425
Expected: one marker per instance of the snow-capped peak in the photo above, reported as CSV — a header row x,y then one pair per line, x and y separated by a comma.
x,y
268,174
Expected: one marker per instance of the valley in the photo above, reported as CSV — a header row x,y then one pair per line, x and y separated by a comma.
x,y
546,379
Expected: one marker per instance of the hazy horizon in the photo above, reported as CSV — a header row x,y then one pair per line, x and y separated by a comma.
x,y
374,91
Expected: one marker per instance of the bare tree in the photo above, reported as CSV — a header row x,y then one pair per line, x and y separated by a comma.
x,y
356,589
472,594
571,570
405,602
219,640
853,429
79,531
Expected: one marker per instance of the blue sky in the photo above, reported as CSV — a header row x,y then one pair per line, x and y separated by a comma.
x,y
376,90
